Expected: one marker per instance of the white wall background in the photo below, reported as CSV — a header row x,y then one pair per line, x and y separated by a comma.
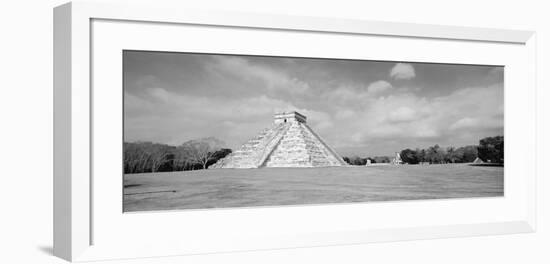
x,y
26,132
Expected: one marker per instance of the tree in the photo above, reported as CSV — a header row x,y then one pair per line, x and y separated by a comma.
x,y
182,159
347,160
158,155
491,149
202,150
435,154
142,157
382,159
470,154
465,154
218,155
356,160
421,155
135,158
409,156
452,155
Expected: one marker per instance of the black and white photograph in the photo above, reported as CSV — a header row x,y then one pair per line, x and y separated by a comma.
x,y
205,131
269,132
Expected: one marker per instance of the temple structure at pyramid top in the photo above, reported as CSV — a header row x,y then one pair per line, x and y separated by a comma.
x,y
285,117
289,142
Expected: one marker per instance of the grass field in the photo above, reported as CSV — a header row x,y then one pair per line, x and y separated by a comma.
x,y
294,186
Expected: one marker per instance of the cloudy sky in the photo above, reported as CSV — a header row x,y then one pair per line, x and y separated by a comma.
x,y
361,108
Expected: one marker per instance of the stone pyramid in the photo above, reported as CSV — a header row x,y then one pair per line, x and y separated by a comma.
x,y
289,142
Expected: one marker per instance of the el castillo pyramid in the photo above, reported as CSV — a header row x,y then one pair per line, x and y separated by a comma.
x,y
289,142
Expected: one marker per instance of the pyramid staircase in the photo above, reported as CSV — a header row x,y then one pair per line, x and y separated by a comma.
x,y
254,151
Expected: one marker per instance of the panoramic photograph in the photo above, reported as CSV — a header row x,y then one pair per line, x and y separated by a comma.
x,y
204,131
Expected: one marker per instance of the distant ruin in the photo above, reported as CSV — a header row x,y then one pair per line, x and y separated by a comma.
x,y
289,142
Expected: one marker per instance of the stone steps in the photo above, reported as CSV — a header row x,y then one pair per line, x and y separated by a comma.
x,y
301,148
250,153
292,150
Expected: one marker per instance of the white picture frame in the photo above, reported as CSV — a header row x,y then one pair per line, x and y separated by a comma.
x,y
79,211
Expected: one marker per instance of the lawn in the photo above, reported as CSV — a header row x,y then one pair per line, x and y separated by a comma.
x,y
221,188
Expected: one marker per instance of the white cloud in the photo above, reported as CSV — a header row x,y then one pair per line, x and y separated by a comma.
x,y
407,117
402,71
465,122
217,108
402,114
272,79
379,87
357,137
341,95
317,119
344,114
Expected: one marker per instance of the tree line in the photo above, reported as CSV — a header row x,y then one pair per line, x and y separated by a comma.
x,y
438,155
140,157
490,150
356,160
